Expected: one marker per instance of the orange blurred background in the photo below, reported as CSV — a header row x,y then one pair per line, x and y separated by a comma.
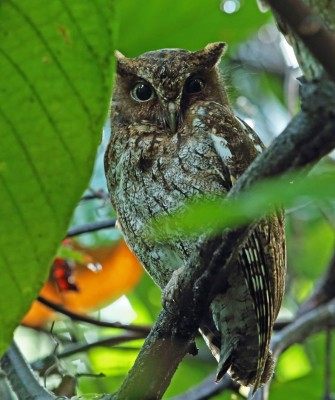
x,y
81,288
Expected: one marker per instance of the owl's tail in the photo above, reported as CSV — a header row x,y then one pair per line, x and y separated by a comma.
x,y
254,378
226,357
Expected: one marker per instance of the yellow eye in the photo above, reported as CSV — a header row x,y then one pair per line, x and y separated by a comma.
x,y
142,91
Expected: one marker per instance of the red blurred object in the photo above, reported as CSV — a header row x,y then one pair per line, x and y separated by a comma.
x,y
62,274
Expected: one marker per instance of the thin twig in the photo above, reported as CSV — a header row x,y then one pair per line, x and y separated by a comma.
x,y
45,363
105,342
208,389
93,227
83,318
96,195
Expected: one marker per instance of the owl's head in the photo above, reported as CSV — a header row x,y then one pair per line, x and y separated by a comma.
x,y
159,87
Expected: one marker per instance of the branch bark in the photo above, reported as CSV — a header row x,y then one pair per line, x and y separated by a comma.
x,y
303,23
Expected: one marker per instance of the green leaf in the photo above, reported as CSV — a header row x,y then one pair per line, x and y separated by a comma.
x,y
214,215
56,75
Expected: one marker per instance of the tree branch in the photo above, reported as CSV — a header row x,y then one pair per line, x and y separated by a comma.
x,y
310,29
22,377
208,389
320,319
5,391
324,290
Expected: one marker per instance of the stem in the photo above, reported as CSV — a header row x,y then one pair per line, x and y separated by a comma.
x,y
93,227
83,318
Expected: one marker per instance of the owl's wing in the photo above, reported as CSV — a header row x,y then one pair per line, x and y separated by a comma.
x,y
262,258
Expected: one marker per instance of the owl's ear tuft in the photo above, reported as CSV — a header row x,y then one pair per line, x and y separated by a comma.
x,y
119,56
211,54
216,49
124,65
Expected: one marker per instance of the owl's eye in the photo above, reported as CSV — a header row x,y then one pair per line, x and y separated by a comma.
x,y
142,92
194,85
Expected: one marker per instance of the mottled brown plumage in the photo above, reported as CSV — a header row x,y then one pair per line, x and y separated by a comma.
x,y
175,137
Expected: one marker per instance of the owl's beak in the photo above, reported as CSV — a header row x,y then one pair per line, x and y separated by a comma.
x,y
172,120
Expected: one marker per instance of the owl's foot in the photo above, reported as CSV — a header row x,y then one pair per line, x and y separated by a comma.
x,y
171,292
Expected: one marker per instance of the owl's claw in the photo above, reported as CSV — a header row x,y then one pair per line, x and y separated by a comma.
x,y
171,293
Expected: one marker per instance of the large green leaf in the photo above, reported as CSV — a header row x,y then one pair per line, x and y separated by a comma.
x,y
56,74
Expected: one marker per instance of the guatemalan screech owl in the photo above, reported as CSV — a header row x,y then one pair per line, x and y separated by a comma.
x,y
175,137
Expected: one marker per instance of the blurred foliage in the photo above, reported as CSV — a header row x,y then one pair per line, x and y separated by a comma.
x,y
189,24
216,214
300,373
263,91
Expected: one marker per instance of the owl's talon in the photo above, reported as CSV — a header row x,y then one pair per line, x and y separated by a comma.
x,y
167,307
170,293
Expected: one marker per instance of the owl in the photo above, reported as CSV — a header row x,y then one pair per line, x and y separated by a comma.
x,y
174,138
